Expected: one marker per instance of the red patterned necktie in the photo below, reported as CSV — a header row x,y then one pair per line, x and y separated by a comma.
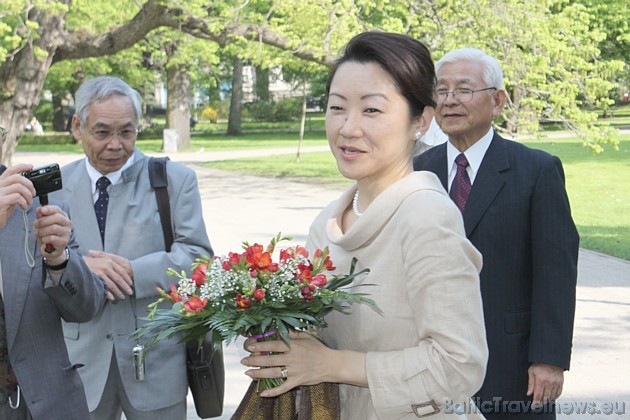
x,y
461,184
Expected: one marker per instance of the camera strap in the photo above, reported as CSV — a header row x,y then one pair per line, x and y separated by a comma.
x,y
30,260
159,183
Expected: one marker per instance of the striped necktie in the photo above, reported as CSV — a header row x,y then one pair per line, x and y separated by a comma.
x,y
461,184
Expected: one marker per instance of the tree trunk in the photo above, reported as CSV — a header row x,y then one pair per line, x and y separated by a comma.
x,y
302,123
236,104
262,84
178,105
59,114
22,79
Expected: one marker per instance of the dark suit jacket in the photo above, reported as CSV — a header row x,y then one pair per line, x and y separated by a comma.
x,y
518,217
50,384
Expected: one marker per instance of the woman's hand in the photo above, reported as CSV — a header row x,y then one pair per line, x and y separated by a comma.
x,y
307,361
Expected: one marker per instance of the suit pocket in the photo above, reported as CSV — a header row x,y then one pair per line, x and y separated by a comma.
x,y
517,322
71,330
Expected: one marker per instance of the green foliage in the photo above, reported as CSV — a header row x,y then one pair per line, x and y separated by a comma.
x,y
287,109
561,58
210,114
44,112
61,139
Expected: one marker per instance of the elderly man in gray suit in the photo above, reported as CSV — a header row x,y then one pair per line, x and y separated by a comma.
x,y
37,290
121,238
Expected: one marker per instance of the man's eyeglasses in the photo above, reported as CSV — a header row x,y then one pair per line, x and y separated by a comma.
x,y
126,134
460,94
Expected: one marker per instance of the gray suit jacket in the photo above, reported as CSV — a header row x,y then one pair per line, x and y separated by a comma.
x,y
50,384
134,231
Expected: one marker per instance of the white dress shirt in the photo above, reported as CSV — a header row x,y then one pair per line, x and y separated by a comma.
x,y
474,154
114,177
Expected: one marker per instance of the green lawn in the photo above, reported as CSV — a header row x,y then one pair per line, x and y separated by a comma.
x,y
313,167
206,141
599,191
600,202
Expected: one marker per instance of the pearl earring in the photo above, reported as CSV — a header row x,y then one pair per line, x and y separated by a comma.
x,y
417,135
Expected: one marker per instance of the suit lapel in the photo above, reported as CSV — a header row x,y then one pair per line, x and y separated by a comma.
x,y
437,164
79,192
124,202
488,182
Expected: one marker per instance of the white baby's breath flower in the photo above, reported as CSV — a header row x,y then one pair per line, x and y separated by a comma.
x,y
186,287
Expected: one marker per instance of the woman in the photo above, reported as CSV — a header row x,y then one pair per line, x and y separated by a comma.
x,y
428,349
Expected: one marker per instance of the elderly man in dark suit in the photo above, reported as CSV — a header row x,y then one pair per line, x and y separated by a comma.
x,y
516,212
37,290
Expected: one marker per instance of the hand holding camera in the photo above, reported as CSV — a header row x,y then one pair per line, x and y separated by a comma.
x,y
45,179
52,230
14,189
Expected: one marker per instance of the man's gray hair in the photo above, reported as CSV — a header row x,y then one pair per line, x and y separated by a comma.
x,y
492,73
101,88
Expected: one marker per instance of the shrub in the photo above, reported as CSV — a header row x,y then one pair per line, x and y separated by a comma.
x,y
287,109
52,138
210,114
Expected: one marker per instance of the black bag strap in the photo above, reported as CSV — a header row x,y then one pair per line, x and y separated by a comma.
x,y
159,183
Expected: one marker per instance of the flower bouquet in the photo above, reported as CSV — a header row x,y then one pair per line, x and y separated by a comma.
x,y
251,294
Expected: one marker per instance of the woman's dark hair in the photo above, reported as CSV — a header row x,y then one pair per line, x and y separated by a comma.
x,y
406,60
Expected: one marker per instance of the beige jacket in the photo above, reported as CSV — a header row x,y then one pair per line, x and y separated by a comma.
x,y
429,347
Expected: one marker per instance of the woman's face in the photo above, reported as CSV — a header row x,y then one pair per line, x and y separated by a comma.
x,y
368,125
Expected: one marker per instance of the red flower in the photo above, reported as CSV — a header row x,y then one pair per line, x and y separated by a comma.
x,y
234,257
257,258
300,250
233,260
328,264
319,280
273,267
195,304
318,253
243,302
199,276
307,293
259,294
174,295
285,254
305,272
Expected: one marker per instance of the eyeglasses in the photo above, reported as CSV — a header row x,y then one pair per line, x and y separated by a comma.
x,y
460,94
126,134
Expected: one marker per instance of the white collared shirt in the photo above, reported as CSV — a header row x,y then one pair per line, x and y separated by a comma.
x,y
474,154
114,177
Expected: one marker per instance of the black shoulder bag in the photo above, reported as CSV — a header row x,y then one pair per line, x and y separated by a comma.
x,y
204,365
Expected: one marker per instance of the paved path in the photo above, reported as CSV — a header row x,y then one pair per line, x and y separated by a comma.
x,y
238,208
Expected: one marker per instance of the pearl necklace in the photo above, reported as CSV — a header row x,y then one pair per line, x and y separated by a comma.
x,y
355,204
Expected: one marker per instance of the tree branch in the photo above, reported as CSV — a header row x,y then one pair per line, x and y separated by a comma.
x,y
154,15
